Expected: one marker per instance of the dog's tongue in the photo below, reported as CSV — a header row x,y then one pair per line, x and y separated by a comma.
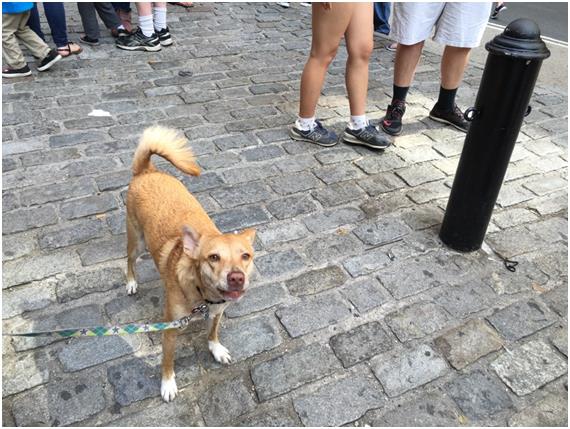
x,y
233,294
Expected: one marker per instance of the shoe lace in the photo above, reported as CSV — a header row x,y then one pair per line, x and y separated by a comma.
x,y
368,132
396,110
457,111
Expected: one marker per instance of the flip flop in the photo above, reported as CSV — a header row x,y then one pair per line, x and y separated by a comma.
x,y
66,51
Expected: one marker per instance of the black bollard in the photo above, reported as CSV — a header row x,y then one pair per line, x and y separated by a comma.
x,y
512,67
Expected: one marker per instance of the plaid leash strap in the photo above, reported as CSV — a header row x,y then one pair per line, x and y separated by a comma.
x,y
127,329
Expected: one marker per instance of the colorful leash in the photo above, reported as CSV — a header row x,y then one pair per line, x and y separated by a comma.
x,y
127,329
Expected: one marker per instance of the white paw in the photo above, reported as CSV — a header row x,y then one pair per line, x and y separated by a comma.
x,y
168,389
220,353
131,287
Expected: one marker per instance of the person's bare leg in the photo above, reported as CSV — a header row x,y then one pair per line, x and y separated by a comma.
x,y
328,26
453,65
144,8
359,44
407,59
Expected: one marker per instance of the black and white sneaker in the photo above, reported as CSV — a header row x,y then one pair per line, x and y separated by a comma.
x,y
164,37
368,136
137,41
318,135
51,58
21,72
453,117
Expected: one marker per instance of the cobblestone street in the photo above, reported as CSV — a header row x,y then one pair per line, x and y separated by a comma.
x,y
358,314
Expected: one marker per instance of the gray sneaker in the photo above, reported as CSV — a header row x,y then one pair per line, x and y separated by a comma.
x,y
319,135
367,136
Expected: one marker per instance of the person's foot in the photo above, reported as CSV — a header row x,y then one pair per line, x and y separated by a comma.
x,y
137,41
71,48
392,47
119,32
498,9
283,3
392,122
318,135
367,136
89,40
21,72
125,17
50,59
452,117
164,37
306,4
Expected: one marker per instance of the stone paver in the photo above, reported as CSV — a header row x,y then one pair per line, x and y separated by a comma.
x,y
351,280
529,367
339,402
289,371
417,320
361,343
479,395
521,319
408,369
467,343
551,411
226,401
431,409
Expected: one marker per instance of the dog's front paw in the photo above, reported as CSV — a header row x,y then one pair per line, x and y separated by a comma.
x,y
168,389
220,353
131,287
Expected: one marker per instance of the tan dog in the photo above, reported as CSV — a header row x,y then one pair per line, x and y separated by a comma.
x,y
196,261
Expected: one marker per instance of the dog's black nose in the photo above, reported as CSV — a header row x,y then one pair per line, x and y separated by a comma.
x,y
236,279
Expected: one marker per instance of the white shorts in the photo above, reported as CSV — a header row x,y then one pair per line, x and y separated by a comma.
x,y
456,24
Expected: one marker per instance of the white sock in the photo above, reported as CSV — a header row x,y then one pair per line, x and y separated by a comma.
x,y
145,24
357,122
305,124
159,14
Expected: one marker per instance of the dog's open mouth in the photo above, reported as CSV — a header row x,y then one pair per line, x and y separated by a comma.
x,y
231,294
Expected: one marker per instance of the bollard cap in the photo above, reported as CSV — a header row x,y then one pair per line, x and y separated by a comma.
x,y
521,39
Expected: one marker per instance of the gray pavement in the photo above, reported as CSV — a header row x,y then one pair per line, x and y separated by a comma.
x,y
358,315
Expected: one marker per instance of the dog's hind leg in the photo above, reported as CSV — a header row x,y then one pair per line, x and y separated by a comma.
x,y
135,247
220,353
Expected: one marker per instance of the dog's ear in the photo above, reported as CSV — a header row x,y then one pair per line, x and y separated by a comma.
x,y
249,234
190,240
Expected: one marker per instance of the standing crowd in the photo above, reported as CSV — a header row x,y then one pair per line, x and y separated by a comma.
x,y
458,27
21,23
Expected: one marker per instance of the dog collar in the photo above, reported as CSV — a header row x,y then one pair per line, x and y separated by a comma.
x,y
214,302
207,301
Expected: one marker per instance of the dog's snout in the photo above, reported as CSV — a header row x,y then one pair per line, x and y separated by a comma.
x,y
236,279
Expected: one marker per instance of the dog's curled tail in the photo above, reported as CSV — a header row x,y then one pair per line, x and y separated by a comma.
x,y
167,143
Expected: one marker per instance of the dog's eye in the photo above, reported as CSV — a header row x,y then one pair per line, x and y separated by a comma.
x,y
214,257
246,256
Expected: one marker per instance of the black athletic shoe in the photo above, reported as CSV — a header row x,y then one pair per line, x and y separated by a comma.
x,y
497,10
164,37
137,41
21,72
50,59
367,136
319,135
453,117
89,41
392,122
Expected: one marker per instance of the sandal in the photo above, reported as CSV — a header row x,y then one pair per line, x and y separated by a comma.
x,y
68,50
